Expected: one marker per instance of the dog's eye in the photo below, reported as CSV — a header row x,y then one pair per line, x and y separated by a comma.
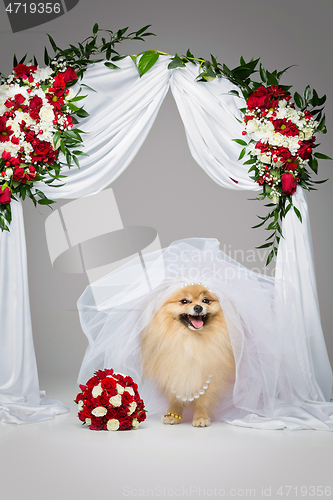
x,y
205,301
184,301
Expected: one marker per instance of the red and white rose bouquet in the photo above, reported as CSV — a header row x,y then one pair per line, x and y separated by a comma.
x,y
110,401
280,144
36,105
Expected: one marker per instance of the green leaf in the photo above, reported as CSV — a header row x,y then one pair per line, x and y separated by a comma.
x,y
147,61
298,100
298,213
95,28
138,33
111,65
242,154
208,75
82,113
78,98
52,42
234,92
259,225
263,74
313,162
321,156
45,201
240,141
46,57
176,62
15,63
23,59
266,245
320,182
270,256
307,93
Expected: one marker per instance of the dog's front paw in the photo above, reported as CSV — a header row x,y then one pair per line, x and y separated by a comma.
x,y
168,419
201,422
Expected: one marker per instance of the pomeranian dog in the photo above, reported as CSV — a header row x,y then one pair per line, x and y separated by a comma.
x,y
186,349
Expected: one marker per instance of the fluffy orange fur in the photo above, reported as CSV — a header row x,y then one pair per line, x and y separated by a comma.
x,y
182,349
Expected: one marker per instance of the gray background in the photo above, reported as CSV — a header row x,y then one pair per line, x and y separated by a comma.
x,y
163,187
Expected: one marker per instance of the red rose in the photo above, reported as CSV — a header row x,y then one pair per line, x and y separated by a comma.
x,y
33,113
35,103
126,424
303,150
19,175
288,183
31,175
19,98
21,69
68,75
15,140
5,195
42,148
108,383
6,156
30,135
127,398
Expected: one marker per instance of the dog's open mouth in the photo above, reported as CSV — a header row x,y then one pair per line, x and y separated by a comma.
x,y
196,322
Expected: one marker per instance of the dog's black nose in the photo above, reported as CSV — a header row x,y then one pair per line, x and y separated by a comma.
x,y
197,309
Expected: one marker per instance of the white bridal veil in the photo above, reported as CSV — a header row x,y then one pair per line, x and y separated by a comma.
x,y
275,383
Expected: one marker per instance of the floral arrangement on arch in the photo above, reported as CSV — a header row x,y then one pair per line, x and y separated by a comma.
x,y
39,114
110,401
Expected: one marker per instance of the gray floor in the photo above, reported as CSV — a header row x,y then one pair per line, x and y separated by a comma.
x,y
61,459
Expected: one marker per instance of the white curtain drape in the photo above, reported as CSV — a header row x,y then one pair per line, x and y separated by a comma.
x,y
122,110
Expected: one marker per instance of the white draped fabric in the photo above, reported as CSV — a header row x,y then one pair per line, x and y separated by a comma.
x,y
122,110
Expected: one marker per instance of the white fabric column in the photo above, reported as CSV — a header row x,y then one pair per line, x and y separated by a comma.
x,y
20,399
295,264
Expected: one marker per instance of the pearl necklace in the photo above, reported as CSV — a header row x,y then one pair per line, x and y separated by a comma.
x,y
200,393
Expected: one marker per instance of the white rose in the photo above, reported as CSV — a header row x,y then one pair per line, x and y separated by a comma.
x,y
88,421
252,126
277,139
115,400
135,423
70,95
97,391
80,405
100,411
46,113
265,158
131,408
119,388
130,390
112,424
308,134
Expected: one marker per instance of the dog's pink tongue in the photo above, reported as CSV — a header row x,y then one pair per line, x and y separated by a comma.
x,y
196,321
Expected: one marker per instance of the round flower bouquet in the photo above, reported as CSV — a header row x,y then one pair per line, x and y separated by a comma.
x,y
110,401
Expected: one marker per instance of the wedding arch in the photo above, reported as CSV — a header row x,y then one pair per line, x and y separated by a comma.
x,y
122,107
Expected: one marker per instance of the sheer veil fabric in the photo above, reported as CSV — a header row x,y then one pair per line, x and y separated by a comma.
x,y
274,387
122,110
